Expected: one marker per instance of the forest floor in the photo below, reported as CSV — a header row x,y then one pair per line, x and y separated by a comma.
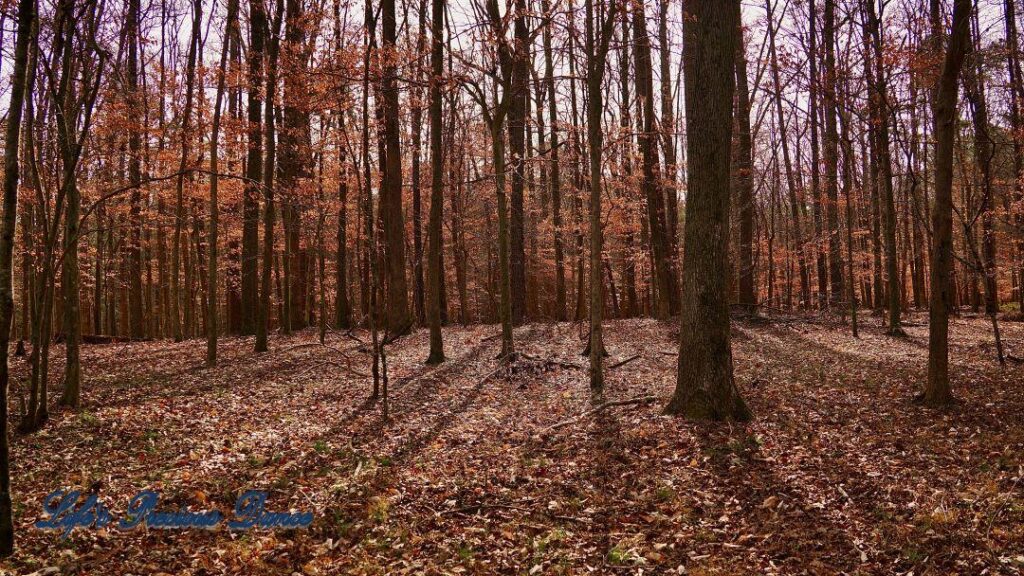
x,y
841,472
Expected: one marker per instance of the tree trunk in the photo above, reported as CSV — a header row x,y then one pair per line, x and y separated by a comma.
x,y
26,16
398,318
555,176
1016,90
667,301
937,390
186,141
791,181
829,79
597,54
434,247
133,38
668,133
884,158
269,168
416,122
211,280
253,169
705,388
517,144
984,151
744,182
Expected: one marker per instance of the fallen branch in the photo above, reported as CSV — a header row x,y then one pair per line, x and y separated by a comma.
x,y
599,408
623,362
560,364
550,362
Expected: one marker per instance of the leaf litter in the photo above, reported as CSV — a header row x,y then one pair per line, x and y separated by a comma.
x,y
485,468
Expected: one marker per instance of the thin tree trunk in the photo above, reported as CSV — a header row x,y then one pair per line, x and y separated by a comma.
x,y
398,318
416,122
744,182
597,55
186,141
937,390
555,173
667,301
829,79
269,167
253,169
791,182
17,96
434,246
886,195
211,281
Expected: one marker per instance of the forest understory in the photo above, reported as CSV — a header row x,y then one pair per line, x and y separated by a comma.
x,y
482,470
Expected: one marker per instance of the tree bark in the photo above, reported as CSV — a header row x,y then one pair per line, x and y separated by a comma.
x,y
398,317
791,181
26,16
705,387
667,300
744,182
884,158
269,169
211,280
555,176
937,390
835,253
434,246
253,168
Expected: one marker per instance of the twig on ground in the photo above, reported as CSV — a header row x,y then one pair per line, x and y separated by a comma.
x,y
599,408
624,362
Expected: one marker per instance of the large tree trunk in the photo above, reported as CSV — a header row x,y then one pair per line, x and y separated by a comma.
x,y
705,388
937,390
